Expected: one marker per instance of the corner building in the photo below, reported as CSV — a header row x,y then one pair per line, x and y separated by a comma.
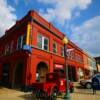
x,y
34,47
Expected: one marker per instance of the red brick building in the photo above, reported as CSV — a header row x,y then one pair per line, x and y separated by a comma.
x,y
34,47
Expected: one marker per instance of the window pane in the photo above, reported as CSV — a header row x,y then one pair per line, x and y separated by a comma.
x,y
40,45
45,41
62,51
39,41
45,47
24,39
54,47
11,46
39,38
19,43
7,49
45,44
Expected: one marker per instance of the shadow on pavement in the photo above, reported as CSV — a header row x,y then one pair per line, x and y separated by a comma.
x,y
80,87
86,92
28,97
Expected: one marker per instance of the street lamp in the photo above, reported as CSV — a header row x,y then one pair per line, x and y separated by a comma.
x,y
67,95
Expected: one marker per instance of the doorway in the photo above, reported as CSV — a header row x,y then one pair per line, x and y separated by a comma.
x,y
5,74
72,73
41,71
18,75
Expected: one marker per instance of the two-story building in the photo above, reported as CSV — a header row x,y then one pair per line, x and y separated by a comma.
x,y
34,47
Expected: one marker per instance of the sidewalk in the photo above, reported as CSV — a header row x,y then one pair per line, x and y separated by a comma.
x,y
80,94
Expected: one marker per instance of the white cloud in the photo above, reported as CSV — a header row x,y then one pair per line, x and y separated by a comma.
x,y
87,36
62,10
7,16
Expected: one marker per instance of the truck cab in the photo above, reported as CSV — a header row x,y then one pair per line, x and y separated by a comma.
x,y
60,81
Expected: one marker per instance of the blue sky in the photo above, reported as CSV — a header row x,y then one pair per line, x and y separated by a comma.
x,y
78,19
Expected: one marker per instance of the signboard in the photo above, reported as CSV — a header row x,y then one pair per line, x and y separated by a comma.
x,y
27,48
58,66
69,50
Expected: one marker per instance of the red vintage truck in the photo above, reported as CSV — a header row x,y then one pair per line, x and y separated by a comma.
x,y
55,84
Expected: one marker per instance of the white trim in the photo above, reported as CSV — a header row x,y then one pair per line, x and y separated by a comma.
x,y
43,38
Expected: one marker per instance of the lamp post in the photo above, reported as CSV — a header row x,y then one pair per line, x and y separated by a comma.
x,y
67,95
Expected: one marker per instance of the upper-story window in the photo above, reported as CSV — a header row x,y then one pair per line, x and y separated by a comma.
x,y
62,51
39,41
46,47
54,47
78,58
42,42
11,46
21,41
7,49
24,39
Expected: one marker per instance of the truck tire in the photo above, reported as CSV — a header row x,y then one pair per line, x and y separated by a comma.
x,y
43,95
53,94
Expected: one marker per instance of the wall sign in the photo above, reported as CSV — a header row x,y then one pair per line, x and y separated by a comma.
x,y
58,66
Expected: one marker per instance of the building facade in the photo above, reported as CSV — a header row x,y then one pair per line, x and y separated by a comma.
x,y
98,63
89,65
32,48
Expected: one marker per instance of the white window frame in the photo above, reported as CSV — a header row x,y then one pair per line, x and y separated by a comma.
x,y
39,41
55,48
62,51
47,44
43,38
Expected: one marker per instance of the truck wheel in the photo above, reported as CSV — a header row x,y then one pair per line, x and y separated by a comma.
x,y
43,95
53,94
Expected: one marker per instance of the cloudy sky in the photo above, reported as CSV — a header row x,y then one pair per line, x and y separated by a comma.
x,y
78,19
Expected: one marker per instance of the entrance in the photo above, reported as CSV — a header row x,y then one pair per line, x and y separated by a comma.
x,y
42,70
72,73
18,75
5,75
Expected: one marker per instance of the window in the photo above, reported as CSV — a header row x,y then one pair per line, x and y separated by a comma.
x,y
24,39
7,49
45,43
39,41
62,51
11,46
54,47
78,58
21,41
42,42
